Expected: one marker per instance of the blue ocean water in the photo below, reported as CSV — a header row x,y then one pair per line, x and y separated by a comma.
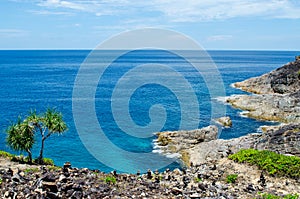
x,y
37,79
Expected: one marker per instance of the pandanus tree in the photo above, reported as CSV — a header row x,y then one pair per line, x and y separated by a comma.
x,y
21,135
51,122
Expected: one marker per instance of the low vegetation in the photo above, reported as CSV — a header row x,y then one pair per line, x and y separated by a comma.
x,y
110,180
271,196
24,159
231,178
275,164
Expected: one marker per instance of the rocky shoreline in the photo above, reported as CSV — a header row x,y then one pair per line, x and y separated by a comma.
x,y
276,95
207,167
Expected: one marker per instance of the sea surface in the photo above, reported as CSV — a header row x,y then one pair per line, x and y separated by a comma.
x,y
38,79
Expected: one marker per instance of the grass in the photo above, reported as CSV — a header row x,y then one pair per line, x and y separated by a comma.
x,y
275,164
231,178
271,196
196,180
110,180
48,161
31,170
53,168
6,154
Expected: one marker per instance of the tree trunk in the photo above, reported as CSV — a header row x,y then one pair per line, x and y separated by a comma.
x,y
40,158
29,156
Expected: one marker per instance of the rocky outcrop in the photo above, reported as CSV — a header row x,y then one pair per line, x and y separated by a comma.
x,y
270,107
283,80
224,121
284,139
279,95
180,142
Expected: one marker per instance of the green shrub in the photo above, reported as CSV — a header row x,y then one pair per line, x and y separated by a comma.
x,y
271,196
53,168
231,178
110,180
48,161
31,170
273,163
6,154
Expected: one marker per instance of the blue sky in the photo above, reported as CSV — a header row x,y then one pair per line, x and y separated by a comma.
x,y
217,24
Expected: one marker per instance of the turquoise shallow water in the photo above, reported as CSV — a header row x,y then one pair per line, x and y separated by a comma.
x,y
45,78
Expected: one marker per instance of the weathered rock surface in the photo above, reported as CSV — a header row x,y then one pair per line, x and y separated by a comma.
x,y
224,121
279,95
283,80
284,139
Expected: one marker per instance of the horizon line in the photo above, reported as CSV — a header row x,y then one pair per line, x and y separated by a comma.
x,y
91,49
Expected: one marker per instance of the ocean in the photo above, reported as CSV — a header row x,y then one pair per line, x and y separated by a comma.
x,y
38,79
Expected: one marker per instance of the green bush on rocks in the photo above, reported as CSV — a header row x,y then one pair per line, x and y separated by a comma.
x,y
275,164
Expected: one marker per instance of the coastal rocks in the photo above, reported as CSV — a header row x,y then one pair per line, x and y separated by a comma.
x,y
279,98
280,108
181,142
224,121
284,140
285,79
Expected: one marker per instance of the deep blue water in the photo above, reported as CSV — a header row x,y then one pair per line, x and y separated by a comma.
x,y
37,79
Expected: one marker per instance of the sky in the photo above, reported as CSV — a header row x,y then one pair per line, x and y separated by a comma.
x,y
214,24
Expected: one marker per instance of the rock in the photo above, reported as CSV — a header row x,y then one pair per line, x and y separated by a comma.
x,y
279,98
176,191
180,142
49,177
51,186
224,121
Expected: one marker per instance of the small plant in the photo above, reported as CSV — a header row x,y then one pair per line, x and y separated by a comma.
x,y
0,181
110,180
48,161
197,180
31,170
53,168
231,178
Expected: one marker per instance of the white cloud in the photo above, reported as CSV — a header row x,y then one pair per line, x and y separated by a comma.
x,y
47,12
183,11
64,4
219,37
12,33
205,10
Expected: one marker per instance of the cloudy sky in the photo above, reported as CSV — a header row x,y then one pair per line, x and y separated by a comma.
x,y
217,24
